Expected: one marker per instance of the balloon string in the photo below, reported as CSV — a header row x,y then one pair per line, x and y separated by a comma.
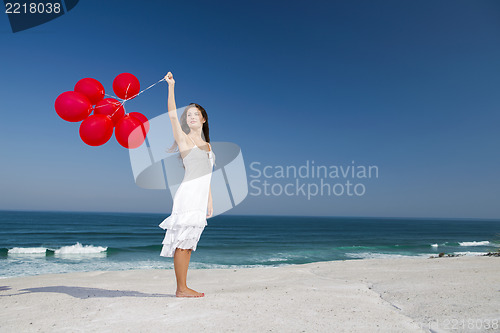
x,y
154,84
124,100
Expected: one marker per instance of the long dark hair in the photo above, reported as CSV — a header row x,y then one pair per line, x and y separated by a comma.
x,y
185,127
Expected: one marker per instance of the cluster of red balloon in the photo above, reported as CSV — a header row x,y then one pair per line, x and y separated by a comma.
x,y
109,113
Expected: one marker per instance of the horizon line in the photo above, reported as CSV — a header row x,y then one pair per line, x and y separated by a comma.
x,y
266,215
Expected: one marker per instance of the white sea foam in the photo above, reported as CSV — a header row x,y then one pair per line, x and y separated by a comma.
x,y
277,259
27,250
45,267
80,249
200,265
375,255
469,253
435,245
474,243
72,249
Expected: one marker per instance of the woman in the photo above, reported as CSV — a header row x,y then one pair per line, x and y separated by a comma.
x,y
193,199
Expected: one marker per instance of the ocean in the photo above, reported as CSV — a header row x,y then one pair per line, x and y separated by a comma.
x,y
33,243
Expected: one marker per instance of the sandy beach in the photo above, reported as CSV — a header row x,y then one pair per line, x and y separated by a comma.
x,y
449,294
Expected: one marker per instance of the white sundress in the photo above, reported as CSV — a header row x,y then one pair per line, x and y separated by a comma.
x,y
189,212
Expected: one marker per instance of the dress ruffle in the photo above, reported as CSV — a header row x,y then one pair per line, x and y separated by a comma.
x,y
184,230
184,238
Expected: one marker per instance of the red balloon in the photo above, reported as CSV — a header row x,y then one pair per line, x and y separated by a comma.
x,y
142,119
91,88
126,86
110,107
129,133
73,106
96,130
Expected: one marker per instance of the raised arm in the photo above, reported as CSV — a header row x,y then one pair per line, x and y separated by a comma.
x,y
179,135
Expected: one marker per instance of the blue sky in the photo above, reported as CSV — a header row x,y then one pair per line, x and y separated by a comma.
x,y
409,86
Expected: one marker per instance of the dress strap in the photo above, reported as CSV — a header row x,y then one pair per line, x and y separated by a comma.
x,y
192,141
209,146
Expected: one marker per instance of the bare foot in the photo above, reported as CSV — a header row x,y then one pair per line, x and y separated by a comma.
x,y
188,293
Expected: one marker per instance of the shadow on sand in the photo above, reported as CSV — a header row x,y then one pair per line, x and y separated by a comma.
x,y
84,292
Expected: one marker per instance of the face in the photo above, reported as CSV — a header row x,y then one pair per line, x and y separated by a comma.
x,y
194,118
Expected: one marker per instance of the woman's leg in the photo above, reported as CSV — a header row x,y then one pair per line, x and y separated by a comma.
x,y
181,264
